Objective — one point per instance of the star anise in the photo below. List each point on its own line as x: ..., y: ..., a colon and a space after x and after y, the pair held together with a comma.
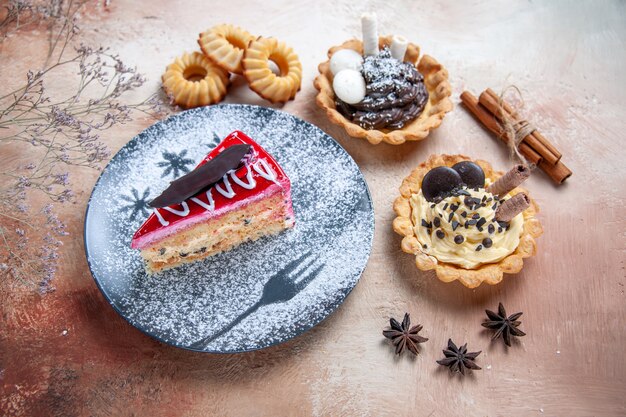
x: 503, y: 325
x: 458, y: 359
x: 403, y: 335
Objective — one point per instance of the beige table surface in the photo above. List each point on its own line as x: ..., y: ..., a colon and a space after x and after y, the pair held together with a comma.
x: 569, y: 60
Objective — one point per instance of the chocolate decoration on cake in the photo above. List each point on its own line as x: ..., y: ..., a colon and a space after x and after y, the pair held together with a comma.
x: 202, y: 177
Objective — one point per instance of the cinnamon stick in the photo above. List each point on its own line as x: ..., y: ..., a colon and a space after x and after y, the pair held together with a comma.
x: 557, y: 172
x: 489, y: 121
x: 501, y: 114
x: 538, y: 136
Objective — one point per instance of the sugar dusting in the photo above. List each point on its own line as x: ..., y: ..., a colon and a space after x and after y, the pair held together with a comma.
x: 334, y: 221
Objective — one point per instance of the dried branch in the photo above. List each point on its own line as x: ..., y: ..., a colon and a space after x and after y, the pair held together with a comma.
x: 63, y: 132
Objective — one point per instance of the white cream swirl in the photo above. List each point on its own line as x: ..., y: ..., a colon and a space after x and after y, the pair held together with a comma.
x: 462, y: 230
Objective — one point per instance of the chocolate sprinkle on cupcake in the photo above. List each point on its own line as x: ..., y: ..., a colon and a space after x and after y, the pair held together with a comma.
x: 458, y: 239
x: 487, y: 242
x: 491, y: 228
x: 479, y: 248
x: 437, y: 222
x: 455, y: 224
x: 440, y: 234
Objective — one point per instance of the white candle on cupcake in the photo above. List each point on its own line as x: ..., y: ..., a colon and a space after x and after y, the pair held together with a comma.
x: 398, y: 47
x: 369, y: 26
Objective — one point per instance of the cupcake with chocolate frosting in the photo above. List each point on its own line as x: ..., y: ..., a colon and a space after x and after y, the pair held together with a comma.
x: 381, y: 90
x: 395, y: 94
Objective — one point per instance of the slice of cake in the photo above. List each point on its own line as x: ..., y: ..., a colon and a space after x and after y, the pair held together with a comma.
x: 251, y: 199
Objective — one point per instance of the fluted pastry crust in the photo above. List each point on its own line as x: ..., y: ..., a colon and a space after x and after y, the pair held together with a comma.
x: 435, y: 79
x: 471, y: 278
x: 225, y: 44
x: 210, y: 88
x: 272, y: 87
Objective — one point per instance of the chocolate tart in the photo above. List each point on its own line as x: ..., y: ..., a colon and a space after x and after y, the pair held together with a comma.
x: 435, y: 80
x: 491, y: 273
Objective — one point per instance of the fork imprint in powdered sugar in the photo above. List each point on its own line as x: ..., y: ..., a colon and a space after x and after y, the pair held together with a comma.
x: 281, y: 287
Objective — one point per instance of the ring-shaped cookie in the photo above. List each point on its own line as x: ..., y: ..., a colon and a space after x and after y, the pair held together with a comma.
x: 225, y: 45
x: 256, y: 69
x: 192, y: 80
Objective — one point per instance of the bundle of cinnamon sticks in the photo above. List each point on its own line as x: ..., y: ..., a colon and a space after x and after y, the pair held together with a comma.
x: 495, y: 114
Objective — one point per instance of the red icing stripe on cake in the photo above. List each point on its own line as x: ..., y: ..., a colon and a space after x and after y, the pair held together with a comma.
x: 259, y: 178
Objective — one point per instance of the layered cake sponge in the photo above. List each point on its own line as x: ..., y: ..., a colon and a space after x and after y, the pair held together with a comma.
x: 248, y: 202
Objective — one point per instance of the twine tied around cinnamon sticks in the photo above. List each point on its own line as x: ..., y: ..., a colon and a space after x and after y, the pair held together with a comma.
x: 525, y: 141
x: 518, y: 130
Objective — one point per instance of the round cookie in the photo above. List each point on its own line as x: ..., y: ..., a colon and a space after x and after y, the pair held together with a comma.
x: 192, y: 80
x: 256, y: 69
x: 225, y: 45
x: 439, y: 181
x: 472, y: 175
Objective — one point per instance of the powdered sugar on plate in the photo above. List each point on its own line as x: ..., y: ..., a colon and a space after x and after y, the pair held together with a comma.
x: 334, y: 221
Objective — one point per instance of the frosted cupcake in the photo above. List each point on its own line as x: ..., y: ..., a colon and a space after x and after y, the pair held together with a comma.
x: 466, y: 221
x: 380, y: 89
